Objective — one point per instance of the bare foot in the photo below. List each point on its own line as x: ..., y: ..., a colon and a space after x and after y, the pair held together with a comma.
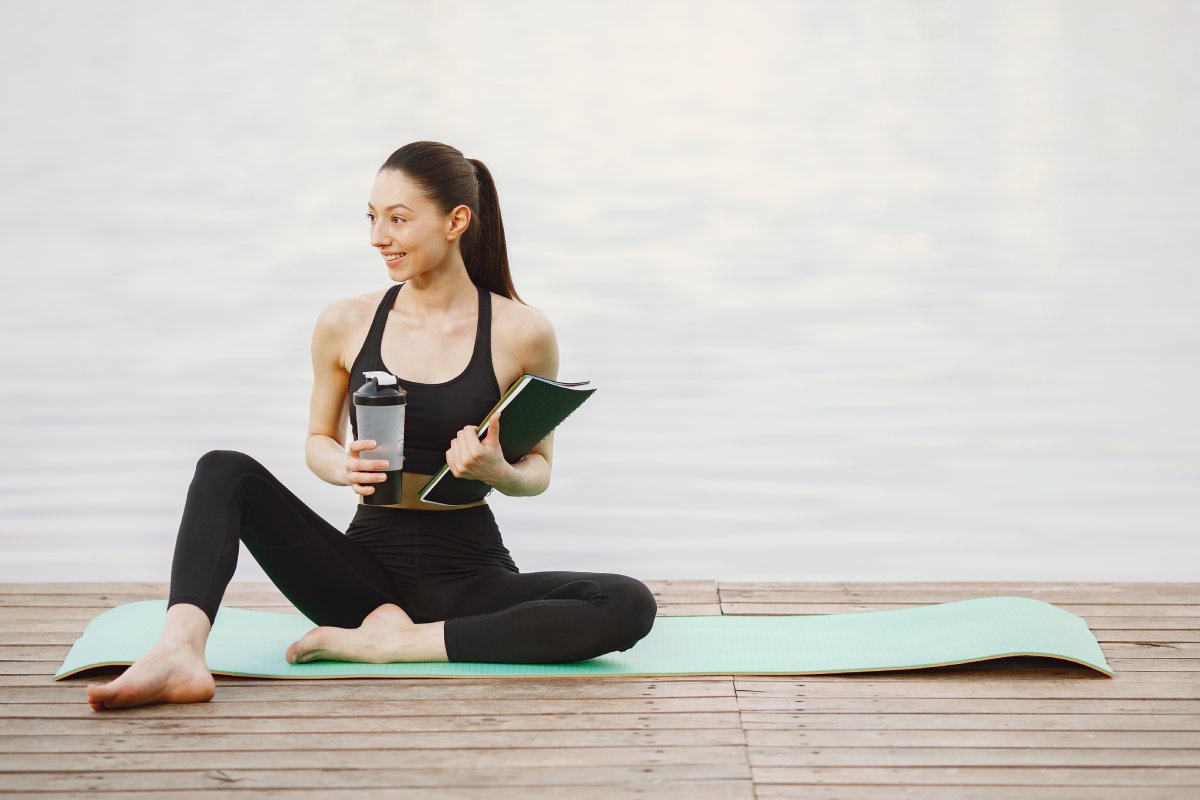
x: 166, y: 674
x: 377, y: 641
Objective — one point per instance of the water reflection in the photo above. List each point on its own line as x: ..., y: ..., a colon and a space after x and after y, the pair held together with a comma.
x: 868, y: 291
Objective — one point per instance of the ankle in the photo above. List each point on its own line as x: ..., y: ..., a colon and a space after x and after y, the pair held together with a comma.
x: 187, y: 626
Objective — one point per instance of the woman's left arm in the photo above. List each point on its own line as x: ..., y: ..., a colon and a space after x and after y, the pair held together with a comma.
x: 482, y: 459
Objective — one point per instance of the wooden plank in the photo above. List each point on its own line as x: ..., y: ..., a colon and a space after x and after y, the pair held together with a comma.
x: 1074, y: 777
x: 379, y: 690
x: 947, y: 591
x: 1120, y: 664
x: 764, y: 720
x: 959, y: 757
x: 815, y: 704
x: 96, y: 739
x: 408, y: 776
x: 211, y: 718
x: 1089, y: 611
x: 781, y: 791
x: 103, y: 742
x: 452, y: 706
x: 1129, y: 740
x: 731, y: 759
x: 750, y: 688
x: 365, y: 708
x: 690, y: 790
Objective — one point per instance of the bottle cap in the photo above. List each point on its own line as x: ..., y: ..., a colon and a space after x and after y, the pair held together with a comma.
x: 381, y: 389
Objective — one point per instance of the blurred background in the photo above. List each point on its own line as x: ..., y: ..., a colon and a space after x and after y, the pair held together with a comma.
x: 868, y: 290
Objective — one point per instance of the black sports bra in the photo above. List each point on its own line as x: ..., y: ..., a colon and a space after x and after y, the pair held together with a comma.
x: 436, y: 412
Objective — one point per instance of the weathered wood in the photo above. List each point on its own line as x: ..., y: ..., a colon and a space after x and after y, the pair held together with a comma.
x: 100, y: 740
x: 211, y: 719
x: 898, y: 791
x: 1092, y: 612
x: 464, y: 690
x: 1022, y: 726
x: 383, y: 774
x: 691, y: 790
x: 1128, y: 740
x: 959, y: 757
x: 966, y: 720
x: 1081, y: 779
x: 995, y: 688
x: 924, y: 592
x: 498, y: 756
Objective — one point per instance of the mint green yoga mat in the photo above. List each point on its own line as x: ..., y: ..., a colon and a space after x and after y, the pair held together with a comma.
x: 253, y: 643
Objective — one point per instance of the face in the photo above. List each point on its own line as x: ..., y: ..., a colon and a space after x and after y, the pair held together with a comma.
x: 410, y: 233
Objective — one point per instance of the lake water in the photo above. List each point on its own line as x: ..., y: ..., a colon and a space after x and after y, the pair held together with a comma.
x: 869, y: 291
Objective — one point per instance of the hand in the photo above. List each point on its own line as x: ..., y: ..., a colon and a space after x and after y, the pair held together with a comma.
x: 482, y: 460
x: 360, y: 473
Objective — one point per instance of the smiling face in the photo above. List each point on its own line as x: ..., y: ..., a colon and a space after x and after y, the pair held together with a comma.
x: 411, y: 234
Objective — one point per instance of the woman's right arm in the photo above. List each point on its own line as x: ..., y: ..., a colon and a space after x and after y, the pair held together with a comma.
x: 324, y: 450
x: 329, y: 410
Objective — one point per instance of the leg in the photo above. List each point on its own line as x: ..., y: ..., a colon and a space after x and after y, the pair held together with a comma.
x: 233, y: 498
x: 547, y: 617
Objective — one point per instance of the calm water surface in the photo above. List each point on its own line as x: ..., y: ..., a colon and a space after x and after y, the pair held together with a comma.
x: 869, y: 291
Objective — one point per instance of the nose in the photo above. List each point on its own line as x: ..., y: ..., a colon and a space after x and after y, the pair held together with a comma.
x: 377, y: 237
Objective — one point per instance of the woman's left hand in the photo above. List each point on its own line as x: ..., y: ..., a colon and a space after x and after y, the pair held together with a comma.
x: 480, y: 459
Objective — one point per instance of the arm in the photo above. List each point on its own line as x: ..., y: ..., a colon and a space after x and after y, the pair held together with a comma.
x: 538, y: 355
x: 329, y: 410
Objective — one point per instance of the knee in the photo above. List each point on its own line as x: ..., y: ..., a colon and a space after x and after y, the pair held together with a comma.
x: 222, y: 469
x: 224, y: 461
x: 638, y: 608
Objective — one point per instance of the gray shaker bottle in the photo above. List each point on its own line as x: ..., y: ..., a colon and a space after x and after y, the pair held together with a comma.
x: 379, y: 406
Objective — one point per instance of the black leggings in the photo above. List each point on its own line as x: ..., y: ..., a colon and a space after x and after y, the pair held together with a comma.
x: 436, y: 565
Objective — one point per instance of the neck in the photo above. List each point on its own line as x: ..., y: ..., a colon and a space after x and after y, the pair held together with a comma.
x: 440, y: 291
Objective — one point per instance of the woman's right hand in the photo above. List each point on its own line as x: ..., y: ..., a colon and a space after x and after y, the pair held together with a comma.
x: 361, y: 473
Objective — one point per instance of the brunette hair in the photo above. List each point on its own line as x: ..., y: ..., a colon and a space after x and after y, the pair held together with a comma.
x: 448, y: 179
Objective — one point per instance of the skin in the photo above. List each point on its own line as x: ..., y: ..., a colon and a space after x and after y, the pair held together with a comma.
x: 428, y: 339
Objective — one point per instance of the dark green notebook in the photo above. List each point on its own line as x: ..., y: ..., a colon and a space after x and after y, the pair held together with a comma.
x: 533, y: 407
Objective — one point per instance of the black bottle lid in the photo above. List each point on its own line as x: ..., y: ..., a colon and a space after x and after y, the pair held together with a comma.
x: 381, y: 389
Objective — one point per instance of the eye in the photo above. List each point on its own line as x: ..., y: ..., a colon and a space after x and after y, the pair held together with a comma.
x: 370, y: 215
x: 402, y: 219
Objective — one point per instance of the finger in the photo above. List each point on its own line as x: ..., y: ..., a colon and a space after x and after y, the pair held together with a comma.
x: 364, y: 464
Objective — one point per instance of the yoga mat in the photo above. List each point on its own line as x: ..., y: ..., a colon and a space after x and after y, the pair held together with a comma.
x: 253, y: 643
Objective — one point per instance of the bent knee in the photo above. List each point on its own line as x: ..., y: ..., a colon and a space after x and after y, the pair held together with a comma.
x: 638, y: 609
x: 225, y: 461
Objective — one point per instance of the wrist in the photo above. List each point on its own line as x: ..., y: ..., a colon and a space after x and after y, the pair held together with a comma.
x: 509, y: 481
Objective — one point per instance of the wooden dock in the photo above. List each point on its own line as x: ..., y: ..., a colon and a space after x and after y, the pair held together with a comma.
x: 1012, y: 728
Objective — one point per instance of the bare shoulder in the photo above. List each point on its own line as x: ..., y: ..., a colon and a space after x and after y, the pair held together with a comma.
x: 521, y: 324
x: 528, y: 333
x: 345, y: 313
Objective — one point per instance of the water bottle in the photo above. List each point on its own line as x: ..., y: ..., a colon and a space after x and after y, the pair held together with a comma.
x: 379, y: 406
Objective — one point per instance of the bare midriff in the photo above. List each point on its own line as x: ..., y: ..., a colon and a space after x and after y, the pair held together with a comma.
x: 411, y: 484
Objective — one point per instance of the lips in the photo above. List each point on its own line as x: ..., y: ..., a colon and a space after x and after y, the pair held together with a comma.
x: 393, y: 258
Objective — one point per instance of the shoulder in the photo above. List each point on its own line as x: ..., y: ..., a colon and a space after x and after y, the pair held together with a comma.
x: 345, y: 313
x: 522, y: 324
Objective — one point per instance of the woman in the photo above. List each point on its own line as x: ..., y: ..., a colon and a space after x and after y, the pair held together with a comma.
x: 410, y: 581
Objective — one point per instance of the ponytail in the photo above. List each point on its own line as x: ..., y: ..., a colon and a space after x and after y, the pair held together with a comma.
x: 449, y: 179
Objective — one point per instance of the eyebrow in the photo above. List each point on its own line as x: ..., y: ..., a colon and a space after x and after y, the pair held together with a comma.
x: 389, y: 208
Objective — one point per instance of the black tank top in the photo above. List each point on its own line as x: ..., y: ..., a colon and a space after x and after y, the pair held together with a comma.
x: 435, y: 412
